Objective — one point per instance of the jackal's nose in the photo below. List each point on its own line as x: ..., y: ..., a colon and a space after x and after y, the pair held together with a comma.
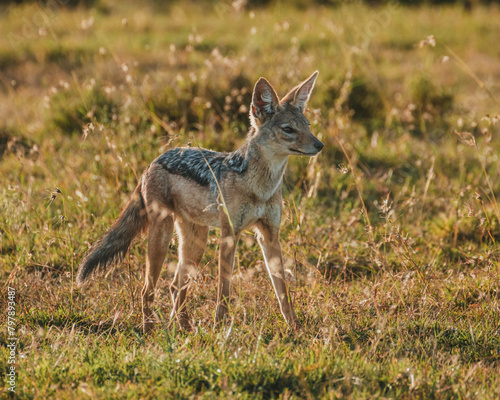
x: 318, y: 146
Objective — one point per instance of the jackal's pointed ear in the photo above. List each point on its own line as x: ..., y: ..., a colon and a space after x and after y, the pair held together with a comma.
x: 264, y: 101
x: 299, y: 95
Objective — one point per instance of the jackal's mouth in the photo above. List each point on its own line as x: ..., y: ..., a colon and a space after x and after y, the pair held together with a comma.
x: 302, y: 153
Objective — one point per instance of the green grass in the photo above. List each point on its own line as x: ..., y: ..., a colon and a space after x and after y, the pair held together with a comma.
x: 391, y: 232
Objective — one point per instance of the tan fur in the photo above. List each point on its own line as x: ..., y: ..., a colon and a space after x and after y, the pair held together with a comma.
x: 253, y: 199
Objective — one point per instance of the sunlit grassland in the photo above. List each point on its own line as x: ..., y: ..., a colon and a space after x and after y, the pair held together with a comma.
x: 390, y: 234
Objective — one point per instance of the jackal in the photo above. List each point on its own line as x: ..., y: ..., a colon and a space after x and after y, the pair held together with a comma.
x: 193, y: 189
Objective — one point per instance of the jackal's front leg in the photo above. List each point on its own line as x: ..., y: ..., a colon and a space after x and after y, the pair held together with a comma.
x: 269, y: 242
x: 227, y: 250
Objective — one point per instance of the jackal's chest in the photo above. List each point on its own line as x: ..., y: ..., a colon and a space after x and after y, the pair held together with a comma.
x: 247, y: 214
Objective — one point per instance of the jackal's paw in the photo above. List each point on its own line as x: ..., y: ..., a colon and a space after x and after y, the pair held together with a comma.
x: 147, y: 326
x: 295, y: 326
x: 220, y: 314
x: 185, y: 325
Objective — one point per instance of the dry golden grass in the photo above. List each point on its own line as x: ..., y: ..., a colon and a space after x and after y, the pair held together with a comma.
x: 390, y: 234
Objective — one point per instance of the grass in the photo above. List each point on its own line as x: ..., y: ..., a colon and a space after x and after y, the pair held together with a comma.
x: 391, y: 233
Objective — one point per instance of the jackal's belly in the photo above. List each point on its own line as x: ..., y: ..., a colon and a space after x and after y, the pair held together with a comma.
x: 207, y: 216
x: 193, y: 202
x: 207, y: 211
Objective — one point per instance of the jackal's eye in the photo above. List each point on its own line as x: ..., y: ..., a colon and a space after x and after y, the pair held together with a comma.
x: 288, y: 129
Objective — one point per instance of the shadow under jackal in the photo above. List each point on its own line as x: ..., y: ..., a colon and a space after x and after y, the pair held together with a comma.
x: 193, y: 189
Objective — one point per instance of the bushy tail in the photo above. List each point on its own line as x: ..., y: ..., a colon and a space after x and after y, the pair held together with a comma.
x: 113, y: 246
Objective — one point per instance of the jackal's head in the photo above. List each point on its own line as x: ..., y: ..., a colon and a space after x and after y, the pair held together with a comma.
x: 281, y: 126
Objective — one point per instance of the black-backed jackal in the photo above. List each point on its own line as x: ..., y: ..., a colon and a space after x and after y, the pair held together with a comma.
x: 192, y: 189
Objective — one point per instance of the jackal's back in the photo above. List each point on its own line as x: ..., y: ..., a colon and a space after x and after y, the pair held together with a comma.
x: 201, y: 165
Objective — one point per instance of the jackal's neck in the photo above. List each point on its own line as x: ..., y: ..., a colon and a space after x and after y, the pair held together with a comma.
x: 265, y: 168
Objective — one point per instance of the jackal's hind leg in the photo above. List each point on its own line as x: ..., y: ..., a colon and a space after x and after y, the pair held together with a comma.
x: 160, y: 234
x: 193, y: 240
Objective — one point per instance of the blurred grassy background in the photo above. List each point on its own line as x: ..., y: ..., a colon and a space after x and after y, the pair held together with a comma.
x: 390, y: 233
